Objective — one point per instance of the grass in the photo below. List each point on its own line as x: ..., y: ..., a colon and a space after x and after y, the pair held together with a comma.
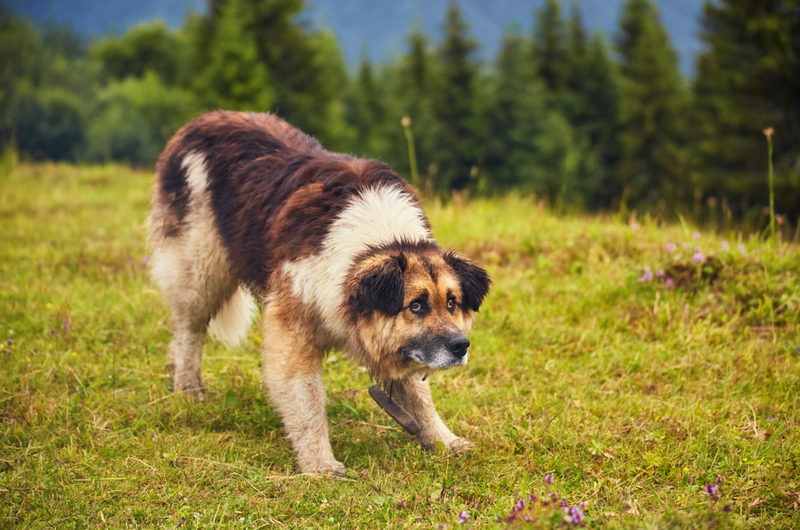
x: 633, y: 395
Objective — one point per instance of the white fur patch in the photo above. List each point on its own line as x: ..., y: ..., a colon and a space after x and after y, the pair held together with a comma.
x: 232, y: 322
x: 376, y: 216
x: 196, y: 174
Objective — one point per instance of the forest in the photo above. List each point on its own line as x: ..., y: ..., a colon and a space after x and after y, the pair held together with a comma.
x: 580, y: 120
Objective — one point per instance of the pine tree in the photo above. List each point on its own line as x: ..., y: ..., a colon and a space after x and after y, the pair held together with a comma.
x: 366, y: 110
x: 550, y: 46
x: 654, y: 160
x: 600, y: 89
x: 412, y: 90
x: 235, y: 78
x: 458, y: 146
x: 576, y: 49
x: 748, y: 80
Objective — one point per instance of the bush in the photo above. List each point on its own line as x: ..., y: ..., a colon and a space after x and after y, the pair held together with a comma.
x: 48, y: 123
x: 135, y: 118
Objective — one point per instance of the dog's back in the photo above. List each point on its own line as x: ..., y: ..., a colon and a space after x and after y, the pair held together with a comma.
x: 271, y: 190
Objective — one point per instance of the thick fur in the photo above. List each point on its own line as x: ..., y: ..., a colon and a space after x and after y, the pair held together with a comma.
x: 335, y: 249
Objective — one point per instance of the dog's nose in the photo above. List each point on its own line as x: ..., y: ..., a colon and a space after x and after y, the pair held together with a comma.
x: 458, y: 346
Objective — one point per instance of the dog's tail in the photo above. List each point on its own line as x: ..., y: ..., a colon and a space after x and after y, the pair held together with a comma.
x: 232, y: 322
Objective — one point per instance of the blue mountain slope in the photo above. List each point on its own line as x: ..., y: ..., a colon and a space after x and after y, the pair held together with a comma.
x: 376, y: 27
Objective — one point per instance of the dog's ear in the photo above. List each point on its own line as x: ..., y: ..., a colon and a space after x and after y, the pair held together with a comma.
x: 380, y: 286
x: 474, y: 280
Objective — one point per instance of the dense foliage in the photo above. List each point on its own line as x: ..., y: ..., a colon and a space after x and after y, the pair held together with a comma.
x: 558, y: 112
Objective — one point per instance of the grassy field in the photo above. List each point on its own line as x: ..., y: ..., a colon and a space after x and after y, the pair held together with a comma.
x: 633, y: 392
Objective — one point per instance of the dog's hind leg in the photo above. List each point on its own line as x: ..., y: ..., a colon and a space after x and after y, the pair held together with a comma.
x: 190, y: 265
x: 293, y: 379
x: 414, y: 395
x: 196, y: 287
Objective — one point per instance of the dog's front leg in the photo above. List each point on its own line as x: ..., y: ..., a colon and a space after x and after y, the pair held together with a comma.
x: 414, y: 395
x: 293, y: 378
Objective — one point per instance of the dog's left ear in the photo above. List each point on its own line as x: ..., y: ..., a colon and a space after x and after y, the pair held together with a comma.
x: 474, y: 280
x: 380, y: 287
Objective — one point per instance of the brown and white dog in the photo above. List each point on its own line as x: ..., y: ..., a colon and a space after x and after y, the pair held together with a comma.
x: 337, y: 251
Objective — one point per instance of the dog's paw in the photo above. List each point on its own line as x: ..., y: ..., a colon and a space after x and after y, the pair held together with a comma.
x: 453, y: 445
x: 334, y: 468
x: 460, y: 445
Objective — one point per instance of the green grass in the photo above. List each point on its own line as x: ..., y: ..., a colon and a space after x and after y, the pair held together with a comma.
x: 631, y: 394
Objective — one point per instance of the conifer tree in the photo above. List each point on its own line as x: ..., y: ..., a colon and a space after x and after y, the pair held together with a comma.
x: 550, y: 46
x: 748, y: 79
x: 366, y: 111
x: 458, y: 123
x: 576, y: 55
x: 654, y: 160
x: 414, y: 83
x: 235, y: 78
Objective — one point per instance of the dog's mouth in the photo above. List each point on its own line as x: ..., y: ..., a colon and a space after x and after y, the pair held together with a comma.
x: 438, y: 358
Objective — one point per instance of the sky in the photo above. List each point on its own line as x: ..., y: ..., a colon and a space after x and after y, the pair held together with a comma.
x: 376, y: 28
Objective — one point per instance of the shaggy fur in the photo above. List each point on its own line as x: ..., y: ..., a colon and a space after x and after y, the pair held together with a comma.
x: 335, y: 249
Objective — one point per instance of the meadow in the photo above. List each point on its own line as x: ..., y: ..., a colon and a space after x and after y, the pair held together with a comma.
x: 648, y: 370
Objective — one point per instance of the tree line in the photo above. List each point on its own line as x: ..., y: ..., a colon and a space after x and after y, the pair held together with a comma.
x: 566, y: 114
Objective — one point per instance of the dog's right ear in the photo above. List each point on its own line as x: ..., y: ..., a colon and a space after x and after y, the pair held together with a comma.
x: 379, y: 286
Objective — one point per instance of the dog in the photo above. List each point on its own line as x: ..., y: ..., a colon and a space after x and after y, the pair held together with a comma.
x: 336, y: 250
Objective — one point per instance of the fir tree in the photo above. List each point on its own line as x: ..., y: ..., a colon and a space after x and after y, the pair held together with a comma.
x: 550, y: 46
x: 458, y: 145
x: 414, y: 83
x: 235, y: 78
x: 654, y: 160
x: 576, y: 50
x: 748, y: 80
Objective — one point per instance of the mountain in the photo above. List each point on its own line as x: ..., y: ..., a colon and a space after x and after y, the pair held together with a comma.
x: 378, y: 28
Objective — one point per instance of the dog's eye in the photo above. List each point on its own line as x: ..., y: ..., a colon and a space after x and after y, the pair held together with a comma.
x: 451, y: 304
x: 416, y: 307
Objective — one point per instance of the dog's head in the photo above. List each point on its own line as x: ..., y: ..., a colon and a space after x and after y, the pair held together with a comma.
x: 412, y: 306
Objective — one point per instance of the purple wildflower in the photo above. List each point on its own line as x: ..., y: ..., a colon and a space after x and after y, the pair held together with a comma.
x: 65, y: 325
x: 725, y: 246
x: 647, y: 274
x: 696, y: 235
x: 719, y: 479
x: 711, y: 489
x: 582, y: 504
x: 145, y: 261
x: 9, y: 352
x: 671, y: 247
x: 686, y: 245
x: 528, y: 519
x: 660, y: 273
x: 575, y: 515
x: 548, y: 478
x: 698, y: 249
x: 564, y: 504
x: 12, y: 421
x: 9, y: 342
x: 726, y: 508
x: 51, y: 331
x: 533, y: 497
x: 698, y: 258
x: 29, y: 365
x: 670, y: 282
x: 462, y: 517
x: 756, y: 251
x: 554, y: 497
x: 520, y: 504
x: 742, y: 251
